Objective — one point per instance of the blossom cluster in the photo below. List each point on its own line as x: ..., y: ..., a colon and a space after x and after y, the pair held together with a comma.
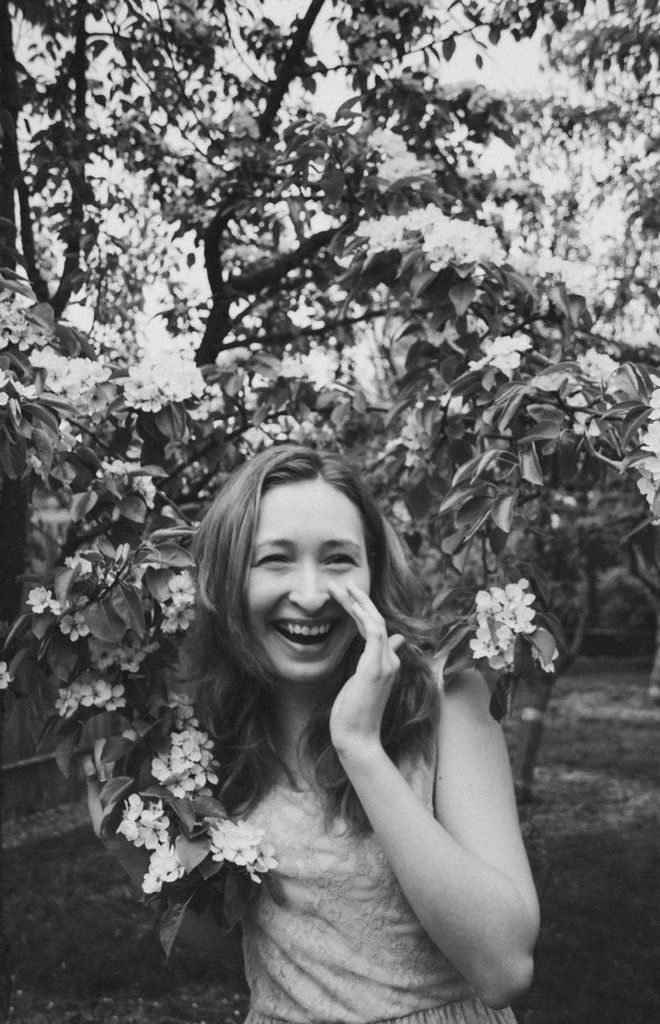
x: 504, y: 613
x: 147, y: 825
x: 232, y: 842
x: 160, y: 377
x: 127, y: 656
x: 20, y: 327
x: 648, y: 467
x: 96, y: 693
x: 444, y: 239
x: 71, y: 375
x: 397, y: 161
x: 598, y: 366
x: 503, y: 353
x: 241, y: 843
x: 188, y: 766
x: 179, y: 608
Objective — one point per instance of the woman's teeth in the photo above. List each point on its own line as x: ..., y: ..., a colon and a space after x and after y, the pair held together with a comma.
x: 303, y: 634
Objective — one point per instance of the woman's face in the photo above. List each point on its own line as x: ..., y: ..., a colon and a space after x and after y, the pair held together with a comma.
x: 308, y: 535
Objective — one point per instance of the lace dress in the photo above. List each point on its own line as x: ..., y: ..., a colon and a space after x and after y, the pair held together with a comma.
x: 331, y: 939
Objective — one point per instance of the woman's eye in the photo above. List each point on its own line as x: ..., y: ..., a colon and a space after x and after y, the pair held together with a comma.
x: 341, y: 560
x: 268, y: 559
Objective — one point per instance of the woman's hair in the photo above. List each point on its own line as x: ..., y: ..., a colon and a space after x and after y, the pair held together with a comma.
x: 236, y: 684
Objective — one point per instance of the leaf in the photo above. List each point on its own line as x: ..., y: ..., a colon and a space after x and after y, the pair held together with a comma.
x: 62, y: 582
x: 128, y: 606
x: 545, y: 430
x: 209, y: 807
x: 175, y: 556
x: 170, y: 923
x: 13, y: 454
x: 544, y: 644
x: 114, y: 790
x: 104, y: 623
x: 503, y: 510
x: 209, y: 868
x: 134, y: 508
x: 171, y: 420
x: 421, y: 281
x: 114, y: 748
x: 502, y: 697
x: 448, y: 47
x: 238, y: 890
x: 462, y: 294
x: 530, y: 467
x: 191, y: 852
x: 64, y: 751
x: 183, y: 808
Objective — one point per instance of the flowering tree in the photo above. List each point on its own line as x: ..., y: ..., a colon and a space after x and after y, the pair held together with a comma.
x: 362, y: 293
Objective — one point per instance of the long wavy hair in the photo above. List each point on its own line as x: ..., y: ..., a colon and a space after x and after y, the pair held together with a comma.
x: 235, y: 683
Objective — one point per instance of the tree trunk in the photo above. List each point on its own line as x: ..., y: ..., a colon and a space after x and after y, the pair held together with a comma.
x: 13, y: 493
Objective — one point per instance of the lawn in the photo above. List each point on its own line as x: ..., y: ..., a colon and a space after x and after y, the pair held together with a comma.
x: 85, y: 949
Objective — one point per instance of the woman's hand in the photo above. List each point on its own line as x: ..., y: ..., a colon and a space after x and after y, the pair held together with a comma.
x: 357, y: 712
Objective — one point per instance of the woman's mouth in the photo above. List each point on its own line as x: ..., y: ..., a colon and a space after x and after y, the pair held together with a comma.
x: 305, y: 634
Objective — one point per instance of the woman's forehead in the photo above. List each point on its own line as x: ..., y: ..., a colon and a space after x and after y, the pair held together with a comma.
x: 309, y: 508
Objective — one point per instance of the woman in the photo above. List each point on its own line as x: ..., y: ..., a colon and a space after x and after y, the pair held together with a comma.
x: 402, y: 890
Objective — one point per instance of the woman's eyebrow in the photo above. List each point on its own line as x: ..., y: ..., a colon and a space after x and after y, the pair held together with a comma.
x: 344, y: 544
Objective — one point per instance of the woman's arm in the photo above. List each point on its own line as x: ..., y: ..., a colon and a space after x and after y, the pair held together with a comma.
x: 464, y: 872
x: 200, y: 932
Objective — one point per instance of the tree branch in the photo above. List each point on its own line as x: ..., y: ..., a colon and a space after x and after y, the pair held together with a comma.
x: 255, y: 280
x: 27, y: 240
x: 289, y: 68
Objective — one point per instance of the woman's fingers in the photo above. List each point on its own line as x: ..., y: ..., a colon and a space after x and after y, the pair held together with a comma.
x: 379, y: 656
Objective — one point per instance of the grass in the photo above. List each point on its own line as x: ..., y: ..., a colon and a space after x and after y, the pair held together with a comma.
x: 85, y: 949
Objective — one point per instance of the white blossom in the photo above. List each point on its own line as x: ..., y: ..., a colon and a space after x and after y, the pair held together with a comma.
x: 449, y: 240
x: 503, y: 613
x: 398, y: 162
x: 241, y: 843
x: 21, y: 328
x: 5, y: 675
x: 162, y: 376
x: 179, y: 609
x: 128, y: 656
x: 144, y: 824
x: 598, y: 366
x: 78, y: 561
x: 74, y: 625
x: 184, y: 710
x: 444, y: 239
x: 503, y: 353
x: 164, y: 866
x: 40, y: 599
x: 188, y: 767
x: 98, y: 693
x: 73, y: 377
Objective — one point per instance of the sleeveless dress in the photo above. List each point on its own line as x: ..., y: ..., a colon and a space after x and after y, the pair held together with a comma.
x: 331, y: 938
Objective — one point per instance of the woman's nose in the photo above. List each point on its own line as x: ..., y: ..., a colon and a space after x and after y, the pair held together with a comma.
x: 310, y: 590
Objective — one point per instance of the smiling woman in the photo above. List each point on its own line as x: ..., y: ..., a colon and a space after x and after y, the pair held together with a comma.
x: 399, y: 887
